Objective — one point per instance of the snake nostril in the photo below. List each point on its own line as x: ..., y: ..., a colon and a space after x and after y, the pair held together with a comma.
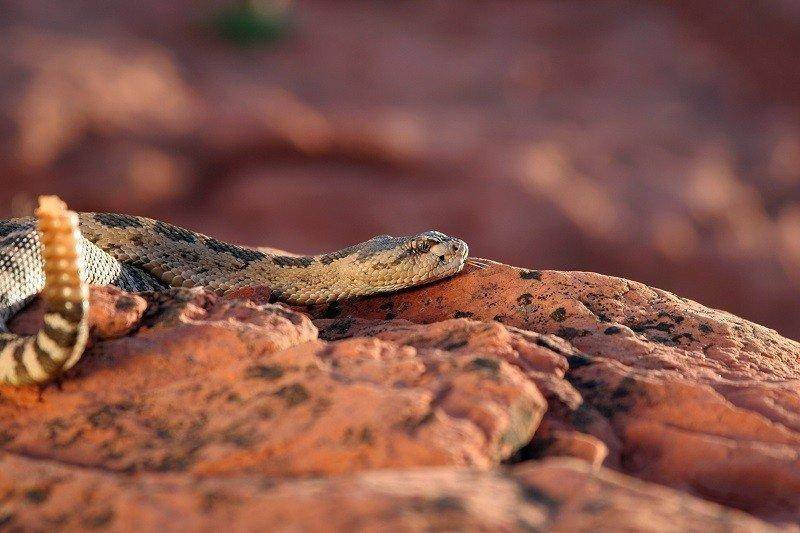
x: 441, y: 259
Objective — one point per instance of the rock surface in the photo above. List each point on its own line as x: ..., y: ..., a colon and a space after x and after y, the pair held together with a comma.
x: 217, y: 386
x: 551, y: 495
x: 214, y: 410
x: 680, y: 394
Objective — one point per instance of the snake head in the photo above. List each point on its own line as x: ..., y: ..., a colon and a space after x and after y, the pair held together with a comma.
x: 436, y: 255
x: 391, y: 263
x: 381, y: 264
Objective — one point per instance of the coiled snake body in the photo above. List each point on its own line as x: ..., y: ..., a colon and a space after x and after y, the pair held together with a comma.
x: 58, y: 253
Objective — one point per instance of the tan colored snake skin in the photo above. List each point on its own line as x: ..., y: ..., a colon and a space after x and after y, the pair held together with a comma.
x: 139, y: 254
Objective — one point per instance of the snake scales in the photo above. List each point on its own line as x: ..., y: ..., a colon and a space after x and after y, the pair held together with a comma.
x: 58, y: 253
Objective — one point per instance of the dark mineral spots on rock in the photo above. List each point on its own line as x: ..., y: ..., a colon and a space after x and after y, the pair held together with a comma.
x: 568, y: 333
x: 268, y: 372
x: 293, y: 394
x: 483, y: 363
x: 228, y: 389
x: 525, y: 299
x: 125, y: 304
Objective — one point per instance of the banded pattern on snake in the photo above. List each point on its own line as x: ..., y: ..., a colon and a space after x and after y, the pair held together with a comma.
x: 58, y: 253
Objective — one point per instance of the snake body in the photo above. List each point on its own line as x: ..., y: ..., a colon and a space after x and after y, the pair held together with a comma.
x: 59, y: 253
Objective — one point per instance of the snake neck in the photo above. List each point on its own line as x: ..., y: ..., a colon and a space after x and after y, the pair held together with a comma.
x: 307, y: 279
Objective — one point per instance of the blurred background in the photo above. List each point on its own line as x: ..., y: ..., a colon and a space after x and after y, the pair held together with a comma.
x: 659, y: 141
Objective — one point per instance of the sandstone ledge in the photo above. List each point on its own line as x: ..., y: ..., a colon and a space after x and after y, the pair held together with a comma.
x: 188, y: 394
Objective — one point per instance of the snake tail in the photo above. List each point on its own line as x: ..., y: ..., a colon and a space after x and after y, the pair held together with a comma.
x: 62, y: 338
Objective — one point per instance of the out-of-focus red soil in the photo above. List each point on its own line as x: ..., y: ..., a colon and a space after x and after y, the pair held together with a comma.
x: 657, y: 142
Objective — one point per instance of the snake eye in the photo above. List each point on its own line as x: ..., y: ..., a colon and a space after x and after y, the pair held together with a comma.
x: 421, y: 246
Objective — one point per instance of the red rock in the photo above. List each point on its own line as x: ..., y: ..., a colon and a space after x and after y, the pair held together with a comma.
x: 193, y: 384
x: 670, y: 391
x: 573, y: 444
x: 526, y: 350
x: 543, y: 358
x: 112, y: 313
x: 214, y: 386
x: 680, y: 394
x: 550, y: 495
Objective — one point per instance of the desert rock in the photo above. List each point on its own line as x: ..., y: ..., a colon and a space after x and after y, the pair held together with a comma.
x: 213, y: 385
x: 679, y: 393
x: 552, y: 495
x: 499, y: 379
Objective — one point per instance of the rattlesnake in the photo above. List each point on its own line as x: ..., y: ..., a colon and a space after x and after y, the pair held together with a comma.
x: 59, y: 252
